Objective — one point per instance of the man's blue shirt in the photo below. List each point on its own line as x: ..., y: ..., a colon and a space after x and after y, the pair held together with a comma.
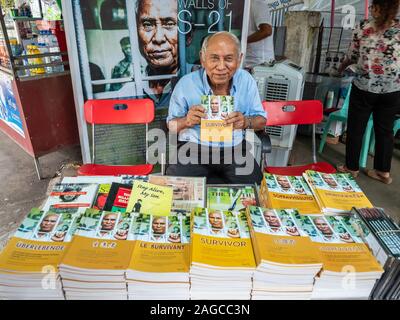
x: 191, y: 87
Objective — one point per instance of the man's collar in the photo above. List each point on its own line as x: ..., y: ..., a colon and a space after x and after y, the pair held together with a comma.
x: 207, y: 86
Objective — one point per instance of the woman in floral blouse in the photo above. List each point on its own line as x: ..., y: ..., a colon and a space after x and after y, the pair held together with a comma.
x: 375, y: 52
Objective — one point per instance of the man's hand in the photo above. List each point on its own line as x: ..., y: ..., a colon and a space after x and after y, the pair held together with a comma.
x: 237, y: 119
x: 194, y: 116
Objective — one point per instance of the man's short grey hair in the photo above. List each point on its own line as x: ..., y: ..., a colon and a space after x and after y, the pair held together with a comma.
x: 226, y: 33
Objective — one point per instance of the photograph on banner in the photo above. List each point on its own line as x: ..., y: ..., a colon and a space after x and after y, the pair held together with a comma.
x: 119, y: 68
x: 199, y: 19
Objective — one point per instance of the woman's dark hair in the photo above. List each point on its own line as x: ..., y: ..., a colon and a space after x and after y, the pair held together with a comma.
x: 388, y: 11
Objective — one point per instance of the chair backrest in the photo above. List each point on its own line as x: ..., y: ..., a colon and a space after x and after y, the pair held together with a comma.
x: 281, y: 113
x: 132, y: 111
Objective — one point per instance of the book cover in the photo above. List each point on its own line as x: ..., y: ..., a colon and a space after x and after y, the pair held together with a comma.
x: 277, y: 238
x: 162, y: 243
x: 118, y: 197
x: 100, y: 241
x: 150, y: 198
x: 41, y: 240
x: 213, y: 128
x: 220, y: 238
x: 336, y: 192
x: 338, y: 247
x: 71, y: 195
x: 231, y: 198
x: 188, y: 192
x: 101, y: 196
x: 281, y: 192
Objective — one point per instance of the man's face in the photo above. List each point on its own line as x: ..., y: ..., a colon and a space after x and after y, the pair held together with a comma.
x: 126, y: 49
x: 221, y: 60
x: 323, y: 226
x: 158, y: 33
x: 108, y: 222
x: 159, y: 225
x: 215, y: 219
x: 330, y: 181
x: 214, y: 106
x: 271, y: 219
x: 283, y: 182
x: 48, y: 223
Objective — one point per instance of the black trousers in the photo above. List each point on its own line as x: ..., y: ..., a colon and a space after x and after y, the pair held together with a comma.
x: 384, y: 108
x: 218, y: 171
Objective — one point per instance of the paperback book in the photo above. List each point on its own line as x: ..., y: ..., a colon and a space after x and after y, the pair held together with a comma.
x: 281, y: 192
x: 213, y: 127
x: 338, y: 192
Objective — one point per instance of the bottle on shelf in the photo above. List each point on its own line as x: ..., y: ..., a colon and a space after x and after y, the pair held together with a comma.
x: 54, y: 47
x: 43, y: 48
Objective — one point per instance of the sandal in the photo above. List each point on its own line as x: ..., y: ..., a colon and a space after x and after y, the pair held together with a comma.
x: 343, y: 169
x: 375, y: 175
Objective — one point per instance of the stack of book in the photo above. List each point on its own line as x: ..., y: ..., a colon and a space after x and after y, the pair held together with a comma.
x: 337, y: 192
x: 382, y: 235
x: 159, y: 266
x: 29, y: 262
x: 282, y: 192
x: 286, y: 258
x: 222, y: 260
x: 94, y: 265
x: 349, y: 269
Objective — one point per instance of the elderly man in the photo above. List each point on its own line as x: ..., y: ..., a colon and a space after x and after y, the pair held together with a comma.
x: 220, y: 75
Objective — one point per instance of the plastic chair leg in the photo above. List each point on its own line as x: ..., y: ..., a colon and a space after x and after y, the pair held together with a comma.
x: 324, y: 135
x: 365, y: 145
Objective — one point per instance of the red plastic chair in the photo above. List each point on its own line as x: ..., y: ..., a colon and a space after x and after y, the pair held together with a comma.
x: 281, y: 113
x: 134, y: 111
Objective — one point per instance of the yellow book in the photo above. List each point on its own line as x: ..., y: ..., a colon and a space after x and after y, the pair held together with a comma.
x: 101, y: 241
x: 339, y: 244
x: 221, y: 239
x: 337, y: 192
x: 150, y: 198
x: 40, y: 241
x: 162, y: 245
x: 282, y: 192
x: 277, y: 238
x: 213, y: 128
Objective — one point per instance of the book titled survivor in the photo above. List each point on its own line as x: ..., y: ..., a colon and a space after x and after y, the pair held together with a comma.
x: 213, y: 128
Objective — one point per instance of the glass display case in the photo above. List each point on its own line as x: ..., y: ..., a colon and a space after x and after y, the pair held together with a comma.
x: 36, y: 97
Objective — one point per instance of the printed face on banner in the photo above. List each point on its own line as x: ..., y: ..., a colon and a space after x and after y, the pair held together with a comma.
x: 157, y: 24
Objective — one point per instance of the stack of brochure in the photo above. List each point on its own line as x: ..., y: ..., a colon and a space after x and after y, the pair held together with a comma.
x: 282, y: 192
x: 287, y: 260
x: 222, y: 259
x: 337, y: 192
x: 382, y: 235
x: 95, y: 264
x: 349, y: 269
x: 159, y: 267
x: 29, y: 262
